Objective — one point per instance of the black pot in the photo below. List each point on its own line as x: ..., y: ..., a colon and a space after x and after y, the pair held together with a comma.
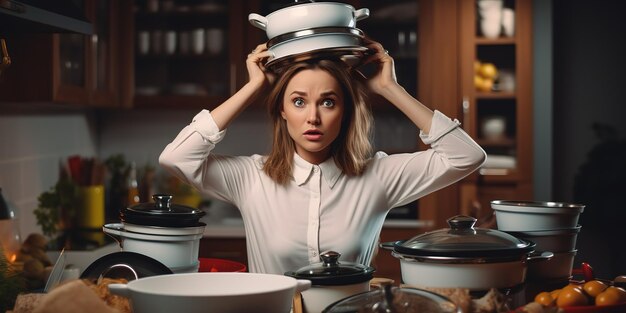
x: 161, y: 213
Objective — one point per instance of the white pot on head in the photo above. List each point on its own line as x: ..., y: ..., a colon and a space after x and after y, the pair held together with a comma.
x: 332, y: 281
x: 306, y: 15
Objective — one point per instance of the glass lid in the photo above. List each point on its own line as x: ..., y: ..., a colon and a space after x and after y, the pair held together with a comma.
x: 390, y: 299
x: 332, y: 272
x: 462, y: 239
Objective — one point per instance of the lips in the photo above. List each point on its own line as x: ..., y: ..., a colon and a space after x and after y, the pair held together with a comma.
x: 313, y: 134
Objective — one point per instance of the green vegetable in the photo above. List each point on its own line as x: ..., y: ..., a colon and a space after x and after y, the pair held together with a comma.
x: 57, y: 207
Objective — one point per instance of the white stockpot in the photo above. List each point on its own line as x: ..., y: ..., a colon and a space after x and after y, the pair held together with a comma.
x: 178, y: 252
x: 464, y: 256
x: 332, y: 281
x: 306, y: 15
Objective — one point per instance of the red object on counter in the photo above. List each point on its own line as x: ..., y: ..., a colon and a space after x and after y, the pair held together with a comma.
x: 220, y: 265
x: 616, y: 308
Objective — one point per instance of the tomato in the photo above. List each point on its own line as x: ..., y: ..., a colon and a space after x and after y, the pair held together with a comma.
x: 571, y: 297
x: 594, y: 287
x: 545, y: 299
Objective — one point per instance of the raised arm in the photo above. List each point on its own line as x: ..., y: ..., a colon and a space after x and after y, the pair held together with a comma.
x: 226, y: 112
x: 384, y: 83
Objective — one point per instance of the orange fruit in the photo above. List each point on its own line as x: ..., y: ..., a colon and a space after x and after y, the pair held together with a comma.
x: 488, y: 70
x: 594, y: 287
x: 619, y: 292
x: 545, y: 299
x: 571, y: 297
x: 607, y: 297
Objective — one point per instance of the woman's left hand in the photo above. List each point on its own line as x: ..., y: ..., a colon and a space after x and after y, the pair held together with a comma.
x: 385, y: 77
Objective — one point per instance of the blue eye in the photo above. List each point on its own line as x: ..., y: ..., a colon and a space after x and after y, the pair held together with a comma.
x: 328, y: 103
x: 298, y: 102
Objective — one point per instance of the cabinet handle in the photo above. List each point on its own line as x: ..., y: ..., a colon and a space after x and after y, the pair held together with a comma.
x: 466, y: 114
x: 5, y: 59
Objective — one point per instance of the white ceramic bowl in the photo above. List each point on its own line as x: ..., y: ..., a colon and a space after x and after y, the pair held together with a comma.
x: 559, y: 267
x: 211, y: 292
x: 558, y: 240
x: 534, y: 215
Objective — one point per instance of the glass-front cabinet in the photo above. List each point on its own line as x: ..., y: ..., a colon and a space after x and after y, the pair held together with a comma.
x: 66, y: 68
x: 185, y: 54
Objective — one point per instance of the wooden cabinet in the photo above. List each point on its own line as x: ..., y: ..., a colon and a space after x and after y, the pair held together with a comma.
x: 66, y: 68
x: 498, y: 117
x: 184, y: 54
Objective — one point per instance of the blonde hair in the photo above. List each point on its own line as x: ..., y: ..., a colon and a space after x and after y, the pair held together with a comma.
x: 352, y: 147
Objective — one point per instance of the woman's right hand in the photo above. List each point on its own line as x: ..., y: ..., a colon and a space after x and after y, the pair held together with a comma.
x: 257, y: 72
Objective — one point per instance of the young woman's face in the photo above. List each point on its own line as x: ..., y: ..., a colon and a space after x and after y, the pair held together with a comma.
x: 313, y: 107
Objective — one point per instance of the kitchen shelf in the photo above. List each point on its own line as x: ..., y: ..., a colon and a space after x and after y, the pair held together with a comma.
x: 513, y: 55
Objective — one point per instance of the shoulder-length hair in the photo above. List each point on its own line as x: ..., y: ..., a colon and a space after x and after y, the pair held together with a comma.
x: 350, y: 150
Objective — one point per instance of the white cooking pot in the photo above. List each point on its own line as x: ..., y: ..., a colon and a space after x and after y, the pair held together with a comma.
x: 178, y: 252
x: 301, y: 16
x: 463, y: 256
x: 211, y: 292
x: 332, y: 281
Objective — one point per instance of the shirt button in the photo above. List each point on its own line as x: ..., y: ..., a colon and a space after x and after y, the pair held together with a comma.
x: 314, y: 253
x: 315, y: 170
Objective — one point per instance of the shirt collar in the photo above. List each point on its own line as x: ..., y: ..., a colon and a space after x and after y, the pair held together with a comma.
x: 302, y: 171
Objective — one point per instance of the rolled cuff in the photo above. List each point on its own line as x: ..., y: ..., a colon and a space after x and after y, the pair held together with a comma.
x: 205, y: 125
x: 440, y: 126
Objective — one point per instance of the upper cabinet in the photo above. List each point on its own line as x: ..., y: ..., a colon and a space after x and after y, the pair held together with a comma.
x: 66, y: 68
x: 183, y: 54
x: 496, y: 70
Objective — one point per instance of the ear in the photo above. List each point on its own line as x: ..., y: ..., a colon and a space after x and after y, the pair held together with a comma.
x: 282, y: 113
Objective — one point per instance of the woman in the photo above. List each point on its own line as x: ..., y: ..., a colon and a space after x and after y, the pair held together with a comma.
x: 320, y: 188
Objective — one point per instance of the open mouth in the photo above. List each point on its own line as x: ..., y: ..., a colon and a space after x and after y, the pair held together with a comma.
x: 313, y: 134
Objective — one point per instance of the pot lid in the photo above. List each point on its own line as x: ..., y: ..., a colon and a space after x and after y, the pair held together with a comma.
x: 162, y: 212
x: 332, y: 272
x: 463, y: 240
x: 390, y: 299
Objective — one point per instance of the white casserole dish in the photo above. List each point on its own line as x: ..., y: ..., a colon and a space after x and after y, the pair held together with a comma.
x: 535, y: 215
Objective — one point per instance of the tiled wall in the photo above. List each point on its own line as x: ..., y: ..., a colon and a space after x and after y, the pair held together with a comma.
x: 33, y: 145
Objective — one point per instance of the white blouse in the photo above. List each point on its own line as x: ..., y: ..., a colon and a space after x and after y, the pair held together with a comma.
x: 287, y: 226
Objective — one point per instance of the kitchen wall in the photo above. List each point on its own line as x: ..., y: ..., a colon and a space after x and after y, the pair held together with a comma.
x: 33, y: 145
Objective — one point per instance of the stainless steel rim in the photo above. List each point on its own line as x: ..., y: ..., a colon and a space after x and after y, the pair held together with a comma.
x: 314, y: 31
x: 339, y: 52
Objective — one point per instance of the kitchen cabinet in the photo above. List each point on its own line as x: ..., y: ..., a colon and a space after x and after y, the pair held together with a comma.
x: 183, y: 54
x: 66, y: 68
x: 498, y: 117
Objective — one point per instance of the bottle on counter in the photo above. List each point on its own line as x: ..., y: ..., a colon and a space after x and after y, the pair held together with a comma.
x: 132, y: 186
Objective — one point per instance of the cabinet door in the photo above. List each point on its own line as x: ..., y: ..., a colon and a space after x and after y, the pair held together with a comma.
x: 185, y: 54
x: 103, y: 53
x: 496, y: 65
x: 66, y: 68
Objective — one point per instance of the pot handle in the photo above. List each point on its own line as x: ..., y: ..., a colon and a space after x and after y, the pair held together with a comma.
x: 114, y: 231
x: 387, y: 245
x: 544, y: 256
x: 361, y: 14
x: 120, y: 290
x: 258, y: 21
x: 302, y: 285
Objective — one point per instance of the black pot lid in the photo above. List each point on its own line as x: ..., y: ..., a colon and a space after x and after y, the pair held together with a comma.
x: 162, y: 212
x: 394, y: 299
x: 332, y: 272
x: 463, y: 240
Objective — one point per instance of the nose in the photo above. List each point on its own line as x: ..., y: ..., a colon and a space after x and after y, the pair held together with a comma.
x: 313, y: 117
